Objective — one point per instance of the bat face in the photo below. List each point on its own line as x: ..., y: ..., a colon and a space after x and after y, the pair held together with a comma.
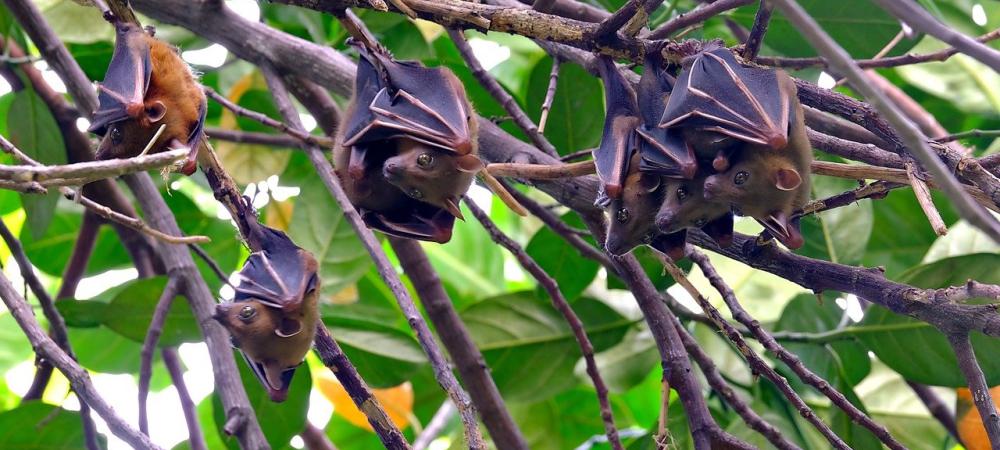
x: 684, y: 206
x: 273, y: 316
x: 716, y: 93
x: 148, y: 88
x: 631, y: 221
x: 431, y: 175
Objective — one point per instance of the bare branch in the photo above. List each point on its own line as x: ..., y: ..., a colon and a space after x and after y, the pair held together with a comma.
x: 149, y: 348
x: 173, y: 363
x: 977, y: 385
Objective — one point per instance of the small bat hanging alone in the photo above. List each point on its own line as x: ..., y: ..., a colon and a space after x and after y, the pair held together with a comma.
x: 769, y: 184
x: 273, y: 317
x: 407, y: 151
x: 717, y: 101
x: 148, y: 87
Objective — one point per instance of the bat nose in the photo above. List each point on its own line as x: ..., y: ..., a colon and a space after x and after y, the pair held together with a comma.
x: 614, y: 246
x: 391, y: 170
x: 663, y: 221
x: 220, y: 314
x: 711, y: 188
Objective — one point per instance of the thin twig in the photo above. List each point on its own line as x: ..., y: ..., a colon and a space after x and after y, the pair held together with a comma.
x: 500, y: 94
x: 968, y: 134
x: 923, y: 194
x: 541, y: 171
x: 435, y: 427
x: 760, y: 22
x: 253, y: 137
x: 937, y: 407
x: 173, y: 363
x: 82, y: 173
x: 696, y: 16
x: 259, y: 117
x: 207, y: 259
x: 315, y: 439
x: 559, y: 302
x: 442, y: 370
x: 550, y: 94
x: 149, y: 348
x: 77, y: 376
x: 977, y: 385
x: 784, y: 355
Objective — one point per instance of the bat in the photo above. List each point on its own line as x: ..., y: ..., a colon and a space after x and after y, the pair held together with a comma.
x: 766, y: 184
x: 273, y: 317
x: 619, y: 140
x: 148, y: 87
x: 632, y: 216
x: 408, y: 148
x: 664, y: 151
x: 684, y: 206
x: 715, y: 94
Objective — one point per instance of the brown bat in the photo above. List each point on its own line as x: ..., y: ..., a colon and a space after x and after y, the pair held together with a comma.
x: 716, y: 94
x: 412, y: 128
x: 632, y: 216
x: 769, y: 184
x: 148, y: 87
x: 273, y: 317
x: 684, y: 206
x: 664, y: 152
x: 619, y: 140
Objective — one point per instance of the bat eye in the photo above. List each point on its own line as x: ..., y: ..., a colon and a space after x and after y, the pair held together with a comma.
x: 700, y: 222
x: 622, y: 215
x: 116, y: 135
x: 741, y: 177
x: 682, y: 194
x: 416, y: 194
x: 425, y: 160
x: 247, y: 313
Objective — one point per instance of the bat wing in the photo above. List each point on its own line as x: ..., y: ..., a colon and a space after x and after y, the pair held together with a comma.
x: 663, y: 151
x: 279, y: 275
x: 718, y: 94
x: 124, y: 87
x: 435, y: 227
x: 655, y: 86
x: 397, y: 99
x: 720, y: 229
x: 620, y: 122
x: 671, y: 244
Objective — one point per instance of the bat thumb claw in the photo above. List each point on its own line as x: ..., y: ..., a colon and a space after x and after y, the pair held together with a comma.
x: 777, y: 141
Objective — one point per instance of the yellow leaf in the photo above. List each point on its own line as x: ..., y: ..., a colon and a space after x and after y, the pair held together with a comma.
x: 397, y: 401
x: 247, y: 163
x: 969, y: 422
x: 278, y: 214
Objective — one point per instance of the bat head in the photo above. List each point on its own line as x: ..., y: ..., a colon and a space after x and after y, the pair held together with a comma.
x: 273, y: 316
x: 432, y: 175
x: 764, y: 185
x: 684, y: 206
x: 631, y: 221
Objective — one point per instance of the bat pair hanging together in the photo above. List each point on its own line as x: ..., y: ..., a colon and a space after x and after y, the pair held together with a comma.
x: 149, y: 100
x: 273, y: 317
x: 722, y: 138
x: 407, y: 152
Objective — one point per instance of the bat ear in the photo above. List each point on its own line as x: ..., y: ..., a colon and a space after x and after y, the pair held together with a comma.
x: 470, y: 164
x: 649, y: 183
x: 451, y: 204
x: 288, y: 327
x: 155, y: 111
x: 787, y: 179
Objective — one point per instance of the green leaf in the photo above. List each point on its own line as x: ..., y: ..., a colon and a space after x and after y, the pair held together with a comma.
x: 840, y: 361
x: 384, y: 357
x: 935, y: 362
x: 33, y: 130
x: 82, y: 313
x: 627, y: 364
x: 962, y: 239
x: 102, y: 350
x: 528, y: 346
x: 576, y: 119
x: 14, y: 346
x: 50, y: 252
x: 72, y: 21
x: 563, y: 422
x: 901, y: 235
x: 279, y: 421
x: 966, y: 83
x: 859, y: 26
x: 561, y: 260
x: 840, y: 235
x: 131, y: 311
x: 193, y: 221
x: 36, y: 425
x: 469, y: 276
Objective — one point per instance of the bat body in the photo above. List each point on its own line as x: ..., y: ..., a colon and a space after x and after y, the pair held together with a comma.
x: 769, y: 184
x: 619, y: 140
x: 685, y: 206
x: 663, y: 151
x: 273, y: 317
x: 148, y: 87
x: 407, y: 151
x: 632, y: 216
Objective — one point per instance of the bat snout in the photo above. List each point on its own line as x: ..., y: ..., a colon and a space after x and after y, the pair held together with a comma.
x: 712, y: 188
x: 392, y: 171
x: 664, y: 221
x: 615, y: 246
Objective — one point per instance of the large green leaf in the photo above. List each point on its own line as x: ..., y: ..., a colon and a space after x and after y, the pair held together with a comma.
x: 839, y: 235
x: 918, y: 351
x: 576, y: 119
x: 50, y: 252
x: 279, y: 421
x: 385, y: 357
x: 471, y: 264
x: 528, y: 346
x: 33, y: 129
x: 962, y: 239
x: 627, y: 364
x: 131, y: 311
x: 71, y: 21
x: 860, y: 26
x: 14, y: 346
x: 318, y: 225
x: 561, y: 260
x: 845, y: 361
x: 102, y: 350
x: 224, y: 249
x: 565, y: 421
x: 966, y: 83
x: 36, y: 425
x: 901, y: 235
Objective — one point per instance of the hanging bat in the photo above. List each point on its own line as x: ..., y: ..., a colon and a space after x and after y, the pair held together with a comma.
x: 632, y: 216
x: 619, y: 140
x: 664, y: 152
x: 728, y: 102
x: 148, y: 87
x: 273, y: 317
x: 416, y: 124
x: 768, y: 185
x: 684, y: 206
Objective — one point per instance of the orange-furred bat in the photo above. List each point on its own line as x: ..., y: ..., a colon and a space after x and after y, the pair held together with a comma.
x: 631, y: 221
x: 684, y: 206
x: 769, y: 184
x: 148, y: 86
x: 728, y: 101
x: 412, y: 128
x: 273, y: 317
